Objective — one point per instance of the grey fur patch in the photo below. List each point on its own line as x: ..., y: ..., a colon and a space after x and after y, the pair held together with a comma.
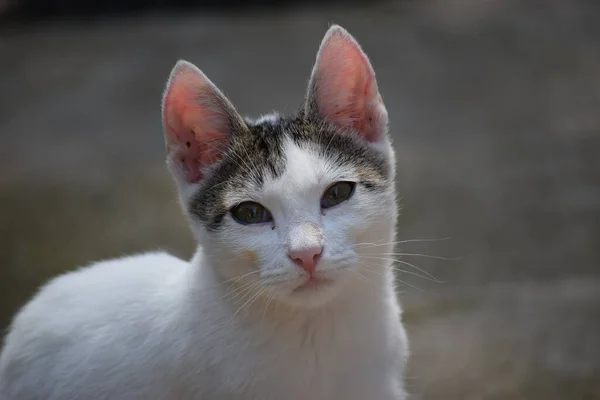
x: 258, y: 152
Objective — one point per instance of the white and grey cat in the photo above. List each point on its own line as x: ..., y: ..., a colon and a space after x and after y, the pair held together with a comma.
x: 288, y: 295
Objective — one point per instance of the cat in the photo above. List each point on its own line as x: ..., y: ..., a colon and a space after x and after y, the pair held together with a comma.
x: 288, y: 295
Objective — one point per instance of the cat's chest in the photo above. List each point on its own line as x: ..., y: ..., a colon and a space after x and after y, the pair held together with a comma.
x: 316, y: 362
x: 295, y: 376
x: 324, y: 377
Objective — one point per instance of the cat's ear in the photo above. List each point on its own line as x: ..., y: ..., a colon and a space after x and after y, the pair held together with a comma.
x: 198, y: 122
x: 343, y: 88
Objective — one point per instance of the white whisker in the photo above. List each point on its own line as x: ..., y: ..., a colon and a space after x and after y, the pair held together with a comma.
x: 375, y: 244
x: 272, y: 295
x: 405, y: 272
x: 412, y: 286
x: 422, y: 255
x: 240, y: 290
x: 431, y: 277
x: 251, y: 300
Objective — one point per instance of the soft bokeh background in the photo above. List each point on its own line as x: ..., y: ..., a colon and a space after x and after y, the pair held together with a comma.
x: 495, y: 114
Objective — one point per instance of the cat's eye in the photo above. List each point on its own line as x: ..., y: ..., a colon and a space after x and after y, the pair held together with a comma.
x: 337, y: 193
x: 250, y: 212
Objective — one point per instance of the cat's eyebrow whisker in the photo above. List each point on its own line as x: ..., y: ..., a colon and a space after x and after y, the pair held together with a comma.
x: 329, y: 143
x: 405, y: 263
x: 232, y: 156
x: 252, y: 168
x: 218, y: 184
x: 245, y: 167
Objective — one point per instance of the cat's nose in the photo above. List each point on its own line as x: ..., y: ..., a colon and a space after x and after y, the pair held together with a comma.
x: 306, y: 257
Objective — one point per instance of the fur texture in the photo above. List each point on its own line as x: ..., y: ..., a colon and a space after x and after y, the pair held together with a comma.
x: 241, y: 320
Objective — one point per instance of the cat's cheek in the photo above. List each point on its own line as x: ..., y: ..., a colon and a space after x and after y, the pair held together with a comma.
x: 251, y: 244
x: 340, y: 230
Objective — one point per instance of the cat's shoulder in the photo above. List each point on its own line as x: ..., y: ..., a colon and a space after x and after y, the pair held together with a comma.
x: 105, y: 285
x: 81, y: 316
x: 119, y: 271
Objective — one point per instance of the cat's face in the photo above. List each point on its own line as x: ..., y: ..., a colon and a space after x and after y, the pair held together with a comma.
x: 282, y: 205
x: 289, y: 204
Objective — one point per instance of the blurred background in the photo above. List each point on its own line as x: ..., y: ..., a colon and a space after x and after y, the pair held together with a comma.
x: 494, y: 109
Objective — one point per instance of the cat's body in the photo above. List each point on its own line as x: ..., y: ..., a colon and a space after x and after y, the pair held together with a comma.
x: 349, y: 350
x: 283, y: 299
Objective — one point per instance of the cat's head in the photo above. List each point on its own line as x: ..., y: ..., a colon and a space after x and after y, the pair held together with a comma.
x: 284, y: 204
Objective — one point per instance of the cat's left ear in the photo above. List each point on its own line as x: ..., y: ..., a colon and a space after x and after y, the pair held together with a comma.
x: 198, y: 121
x: 343, y: 89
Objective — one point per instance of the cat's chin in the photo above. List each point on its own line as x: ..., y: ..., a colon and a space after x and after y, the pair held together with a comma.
x: 313, y: 285
x: 312, y: 293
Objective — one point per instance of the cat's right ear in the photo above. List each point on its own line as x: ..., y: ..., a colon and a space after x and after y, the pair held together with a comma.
x: 198, y: 122
x: 343, y: 89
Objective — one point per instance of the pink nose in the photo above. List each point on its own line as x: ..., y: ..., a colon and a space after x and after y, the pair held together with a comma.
x: 306, y: 257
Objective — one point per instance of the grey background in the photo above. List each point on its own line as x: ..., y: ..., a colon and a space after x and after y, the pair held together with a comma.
x: 494, y: 114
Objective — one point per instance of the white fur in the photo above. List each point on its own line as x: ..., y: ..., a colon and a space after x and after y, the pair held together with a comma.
x: 229, y: 324
x: 271, y: 118
x: 153, y: 326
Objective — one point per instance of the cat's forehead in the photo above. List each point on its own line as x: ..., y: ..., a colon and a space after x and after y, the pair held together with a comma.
x: 306, y: 169
x: 301, y: 151
x: 273, y: 145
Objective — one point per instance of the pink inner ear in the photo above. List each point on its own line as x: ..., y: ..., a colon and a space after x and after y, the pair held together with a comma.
x: 345, y: 87
x: 196, y: 125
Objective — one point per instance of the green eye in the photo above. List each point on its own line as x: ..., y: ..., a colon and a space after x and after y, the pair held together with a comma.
x: 250, y: 212
x: 337, y: 193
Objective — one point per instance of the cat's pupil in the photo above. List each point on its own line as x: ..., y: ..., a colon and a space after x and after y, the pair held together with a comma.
x: 252, y: 211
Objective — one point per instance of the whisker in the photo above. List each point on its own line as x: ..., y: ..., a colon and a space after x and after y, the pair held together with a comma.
x: 375, y: 244
x: 423, y: 255
x: 238, y: 278
x: 242, y: 289
x: 246, y: 294
x: 434, y: 280
x: 272, y: 295
x: 367, y: 267
x: 239, y: 290
x: 405, y: 263
x: 363, y: 278
x: 412, y: 286
x: 250, y: 301
x: 406, y: 272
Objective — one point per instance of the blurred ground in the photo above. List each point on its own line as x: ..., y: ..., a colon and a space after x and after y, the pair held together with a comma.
x: 494, y: 110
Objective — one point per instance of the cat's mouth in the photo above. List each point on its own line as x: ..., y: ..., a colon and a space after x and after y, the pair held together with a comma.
x: 313, y: 284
